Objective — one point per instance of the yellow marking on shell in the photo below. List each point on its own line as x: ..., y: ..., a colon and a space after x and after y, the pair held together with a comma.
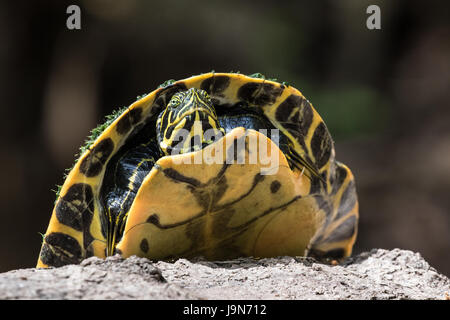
x: 99, y: 243
x: 41, y: 264
x: 338, y: 197
x: 317, y: 120
x: 56, y: 226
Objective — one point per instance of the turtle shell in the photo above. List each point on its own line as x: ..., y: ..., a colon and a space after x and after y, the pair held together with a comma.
x: 221, y: 210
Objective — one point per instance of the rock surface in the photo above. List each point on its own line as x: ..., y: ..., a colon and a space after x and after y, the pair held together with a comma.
x: 378, y: 274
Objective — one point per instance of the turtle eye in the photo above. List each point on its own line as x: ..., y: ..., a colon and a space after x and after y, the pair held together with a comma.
x: 174, y: 102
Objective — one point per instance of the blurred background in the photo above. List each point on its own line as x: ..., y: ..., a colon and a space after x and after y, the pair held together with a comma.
x: 384, y: 95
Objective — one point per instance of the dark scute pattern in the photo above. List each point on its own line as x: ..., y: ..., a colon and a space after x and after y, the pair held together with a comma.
x: 68, y: 215
x: 89, y: 252
x: 285, y: 108
x: 324, y: 204
x: 208, y: 198
x: 348, y: 200
x: 321, y: 145
x: 215, y: 84
x: 60, y: 249
x: 295, y: 114
x: 316, y: 185
x: 275, y: 186
x: 306, y: 117
x: 124, y: 125
x: 153, y: 219
x: 178, y: 177
x: 144, y: 245
x: 135, y: 115
x: 302, y: 116
x: 195, y: 234
x: 87, y: 236
x: 128, y: 120
x: 296, y: 119
x: 247, y: 90
x: 76, y: 206
x: 259, y: 94
x: 163, y: 97
x: 338, y: 179
x: 344, y: 231
x: 93, y: 163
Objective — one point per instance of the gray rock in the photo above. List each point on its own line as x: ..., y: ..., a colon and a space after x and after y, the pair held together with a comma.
x: 378, y: 274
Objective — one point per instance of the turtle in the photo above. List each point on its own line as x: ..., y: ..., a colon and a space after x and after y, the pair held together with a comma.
x: 217, y: 165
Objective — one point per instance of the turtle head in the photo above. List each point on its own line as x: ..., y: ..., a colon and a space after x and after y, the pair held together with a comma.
x: 188, y: 123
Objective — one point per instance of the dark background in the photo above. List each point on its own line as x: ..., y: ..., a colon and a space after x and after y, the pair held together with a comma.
x: 384, y: 95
